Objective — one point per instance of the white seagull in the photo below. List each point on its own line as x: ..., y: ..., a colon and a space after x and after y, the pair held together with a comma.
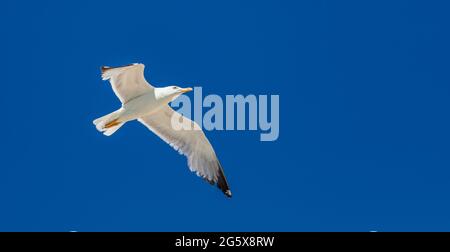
x: 149, y: 105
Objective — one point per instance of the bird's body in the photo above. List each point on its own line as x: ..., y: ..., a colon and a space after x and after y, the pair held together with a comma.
x: 143, y: 105
x: 149, y: 105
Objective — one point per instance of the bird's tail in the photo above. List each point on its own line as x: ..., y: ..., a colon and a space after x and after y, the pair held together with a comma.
x: 109, y: 123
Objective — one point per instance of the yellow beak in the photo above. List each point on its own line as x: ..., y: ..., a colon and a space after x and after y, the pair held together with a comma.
x: 184, y: 90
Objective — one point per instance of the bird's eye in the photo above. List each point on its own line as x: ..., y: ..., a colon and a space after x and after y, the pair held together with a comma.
x: 174, y: 87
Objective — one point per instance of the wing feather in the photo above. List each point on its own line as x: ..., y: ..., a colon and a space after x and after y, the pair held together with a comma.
x: 192, y: 143
x: 127, y: 82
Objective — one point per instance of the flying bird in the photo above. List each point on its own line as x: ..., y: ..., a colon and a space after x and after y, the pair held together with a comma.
x: 149, y: 105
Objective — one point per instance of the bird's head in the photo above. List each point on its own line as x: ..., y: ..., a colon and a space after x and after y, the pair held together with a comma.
x: 172, y: 92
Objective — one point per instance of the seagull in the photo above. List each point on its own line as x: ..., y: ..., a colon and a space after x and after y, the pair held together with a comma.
x: 149, y: 105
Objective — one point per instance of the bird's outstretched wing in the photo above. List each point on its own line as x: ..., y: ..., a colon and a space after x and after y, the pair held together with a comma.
x: 192, y: 143
x: 128, y: 81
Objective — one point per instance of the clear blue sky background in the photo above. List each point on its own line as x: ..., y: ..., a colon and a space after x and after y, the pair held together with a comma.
x: 364, y: 115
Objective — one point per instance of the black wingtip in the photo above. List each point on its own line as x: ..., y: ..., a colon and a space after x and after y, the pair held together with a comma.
x: 228, y: 193
x: 106, y: 68
x: 222, y: 183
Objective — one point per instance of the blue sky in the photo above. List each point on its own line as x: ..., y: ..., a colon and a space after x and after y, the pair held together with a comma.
x: 364, y: 115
